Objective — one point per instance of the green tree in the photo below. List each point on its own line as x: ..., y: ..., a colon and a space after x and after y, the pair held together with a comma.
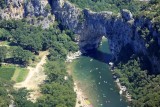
x: 2, y: 4
x: 4, y: 34
x: 3, y: 52
x: 21, y: 56
x: 20, y: 98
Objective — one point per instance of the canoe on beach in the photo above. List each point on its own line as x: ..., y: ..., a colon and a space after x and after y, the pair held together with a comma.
x: 88, y: 103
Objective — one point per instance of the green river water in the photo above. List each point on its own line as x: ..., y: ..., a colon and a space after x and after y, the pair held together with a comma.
x: 95, y: 79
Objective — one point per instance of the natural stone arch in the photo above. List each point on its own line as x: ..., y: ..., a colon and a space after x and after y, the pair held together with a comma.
x: 91, y: 26
x: 96, y: 25
x: 120, y: 29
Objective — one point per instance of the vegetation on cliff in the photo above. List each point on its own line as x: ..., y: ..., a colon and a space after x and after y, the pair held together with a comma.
x: 152, y: 12
x: 150, y: 27
x: 109, y: 5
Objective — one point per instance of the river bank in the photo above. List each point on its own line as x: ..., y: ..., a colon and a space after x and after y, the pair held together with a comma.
x: 82, y: 99
x: 71, y: 56
x: 122, y: 89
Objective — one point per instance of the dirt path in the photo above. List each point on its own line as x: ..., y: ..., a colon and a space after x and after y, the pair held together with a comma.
x: 35, y: 77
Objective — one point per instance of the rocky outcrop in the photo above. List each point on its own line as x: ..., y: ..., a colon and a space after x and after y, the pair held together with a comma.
x: 121, y: 30
x: 67, y: 13
x: 127, y: 15
x: 35, y: 8
x: 14, y: 10
x: 36, y: 12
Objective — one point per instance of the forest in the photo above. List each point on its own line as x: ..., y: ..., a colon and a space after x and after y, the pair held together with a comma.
x: 24, y: 42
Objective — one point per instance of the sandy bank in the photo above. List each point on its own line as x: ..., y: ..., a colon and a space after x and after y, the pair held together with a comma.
x: 82, y: 99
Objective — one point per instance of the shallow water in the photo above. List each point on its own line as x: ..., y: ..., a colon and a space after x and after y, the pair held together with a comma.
x: 95, y: 79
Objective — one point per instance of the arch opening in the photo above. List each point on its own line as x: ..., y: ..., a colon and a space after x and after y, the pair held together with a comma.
x: 100, y: 52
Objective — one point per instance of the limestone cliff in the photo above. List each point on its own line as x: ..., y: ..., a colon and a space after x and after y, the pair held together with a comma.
x: 35, y: 11
x: 14, y: 10
x: 121, y: 30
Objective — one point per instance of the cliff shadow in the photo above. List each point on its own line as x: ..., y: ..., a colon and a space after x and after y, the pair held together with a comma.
x: 125, y: 54
x: 99, y: 55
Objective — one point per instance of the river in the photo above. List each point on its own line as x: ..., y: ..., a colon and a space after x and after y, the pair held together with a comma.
x: 95, y: 79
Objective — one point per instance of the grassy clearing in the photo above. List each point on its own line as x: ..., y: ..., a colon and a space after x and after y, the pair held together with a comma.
x: 11, y: 72
x: 4, y: 43
x: 20, y: 74
x: 7, y: 72
x: 16, y: 73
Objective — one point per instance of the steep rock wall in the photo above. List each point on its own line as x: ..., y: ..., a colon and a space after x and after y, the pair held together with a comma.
x: 14, y: 10
x: 121, y: 30
x: 33, y: 10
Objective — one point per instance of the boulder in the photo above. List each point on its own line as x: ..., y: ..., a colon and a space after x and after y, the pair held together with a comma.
x: 126, y: 14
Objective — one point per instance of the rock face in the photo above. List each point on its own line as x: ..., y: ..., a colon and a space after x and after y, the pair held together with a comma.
x: 14, y: 10
x: 127, y: 15
x: 121, y: 30
x: 35, y: 8
x: 37, y: 12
